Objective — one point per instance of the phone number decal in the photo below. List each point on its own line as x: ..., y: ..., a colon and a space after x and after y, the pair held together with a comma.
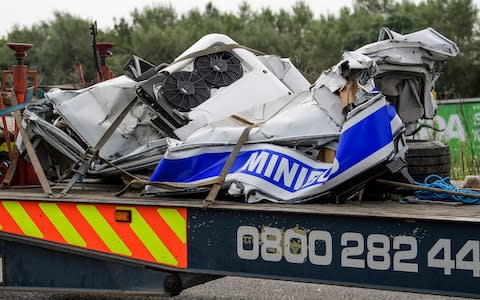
x: 380, y: 252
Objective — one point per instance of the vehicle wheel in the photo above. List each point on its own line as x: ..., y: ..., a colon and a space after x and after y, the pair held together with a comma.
x: 425, y: 158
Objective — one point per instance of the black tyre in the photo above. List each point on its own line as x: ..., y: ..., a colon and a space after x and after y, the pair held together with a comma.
x: 425, y: 158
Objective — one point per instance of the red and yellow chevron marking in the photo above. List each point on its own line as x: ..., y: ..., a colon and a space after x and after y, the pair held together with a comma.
x: 155, y: 234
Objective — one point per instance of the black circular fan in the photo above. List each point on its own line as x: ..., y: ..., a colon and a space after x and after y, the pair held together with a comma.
x: 219, y: 69
x: 185, y: 90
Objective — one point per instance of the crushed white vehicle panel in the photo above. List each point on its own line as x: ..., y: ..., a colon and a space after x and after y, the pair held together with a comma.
x: 303, y: 141
x: 281, y: 174
x: 91, y: 111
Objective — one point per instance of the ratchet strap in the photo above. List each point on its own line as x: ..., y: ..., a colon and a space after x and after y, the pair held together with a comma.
x: 220, y: 180
x: 216, y: 182
x: 37, y: 167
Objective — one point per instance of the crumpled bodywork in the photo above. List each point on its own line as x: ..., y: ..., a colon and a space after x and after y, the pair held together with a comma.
x: 283, y: 174
x: 303, y: 141
x: 74, y: 121
x: 407, y: 69
x: 352, y: 109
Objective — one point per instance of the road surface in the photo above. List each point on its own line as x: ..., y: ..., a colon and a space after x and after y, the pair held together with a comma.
x: 235, y: 288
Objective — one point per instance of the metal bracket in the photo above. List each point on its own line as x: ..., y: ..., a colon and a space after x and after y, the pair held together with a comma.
x: 2, y: 272
x: 78, y: 174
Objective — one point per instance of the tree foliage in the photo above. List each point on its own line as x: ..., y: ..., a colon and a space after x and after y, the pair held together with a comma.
x: 159, y: 34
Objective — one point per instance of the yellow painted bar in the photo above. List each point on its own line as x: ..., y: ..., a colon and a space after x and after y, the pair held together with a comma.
x: 175, y: 221
x: 148, y: 237
x: 23, y: 220
x: 62, y: 224
x: 103, y: 229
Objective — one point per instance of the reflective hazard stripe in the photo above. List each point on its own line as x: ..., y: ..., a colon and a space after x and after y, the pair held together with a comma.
x: 175, y: 221
x: 92, y: 239
x: 103, y: 229
x: 8, y: 223
x: 153, y: 243
x: 23, y: 220
x: 61, y: 223
x: 154, y: 234
x: 165, y: 233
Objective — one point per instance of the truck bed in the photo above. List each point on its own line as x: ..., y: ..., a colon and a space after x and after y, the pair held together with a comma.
x: 170, y: 243
x: 105, y: 193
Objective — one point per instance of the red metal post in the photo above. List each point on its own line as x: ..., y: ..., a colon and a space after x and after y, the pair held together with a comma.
x: 19, y: 72
x: 104, y: 52
x: 81, y: 77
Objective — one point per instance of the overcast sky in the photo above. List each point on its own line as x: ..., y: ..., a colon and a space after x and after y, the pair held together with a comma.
x: 27, y: 12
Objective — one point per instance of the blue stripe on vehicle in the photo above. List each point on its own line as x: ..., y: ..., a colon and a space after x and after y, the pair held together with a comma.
x: 364, y: 138
x: 356, y: 144
x: 196, y: 167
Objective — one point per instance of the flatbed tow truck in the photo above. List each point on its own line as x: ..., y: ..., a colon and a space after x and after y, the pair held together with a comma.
x: 91, y: 241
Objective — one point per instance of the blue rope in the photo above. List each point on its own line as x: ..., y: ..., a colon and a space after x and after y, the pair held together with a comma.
x: 435, y: 181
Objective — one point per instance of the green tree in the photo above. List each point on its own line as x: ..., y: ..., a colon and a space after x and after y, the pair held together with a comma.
x: 66, y: 42
x: 159, y: 34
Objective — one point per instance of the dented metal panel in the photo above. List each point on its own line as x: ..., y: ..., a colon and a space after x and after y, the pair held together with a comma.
x: 201, y: 103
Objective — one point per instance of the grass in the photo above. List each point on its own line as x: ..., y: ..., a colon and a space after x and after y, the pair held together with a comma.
x: 463, y: 154
x: 464, y: 160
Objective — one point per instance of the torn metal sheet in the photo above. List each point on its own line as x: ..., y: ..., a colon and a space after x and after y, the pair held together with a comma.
x: 72, y: 122
x: 297, y: 119
x: 303, y: 141
x: 281, y: 174
x: 428, y: 38
x: 335, y: 78
x: 369, y: 96
x: 407, y: 68
x: 402, y: 67
x: 91, y: 111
